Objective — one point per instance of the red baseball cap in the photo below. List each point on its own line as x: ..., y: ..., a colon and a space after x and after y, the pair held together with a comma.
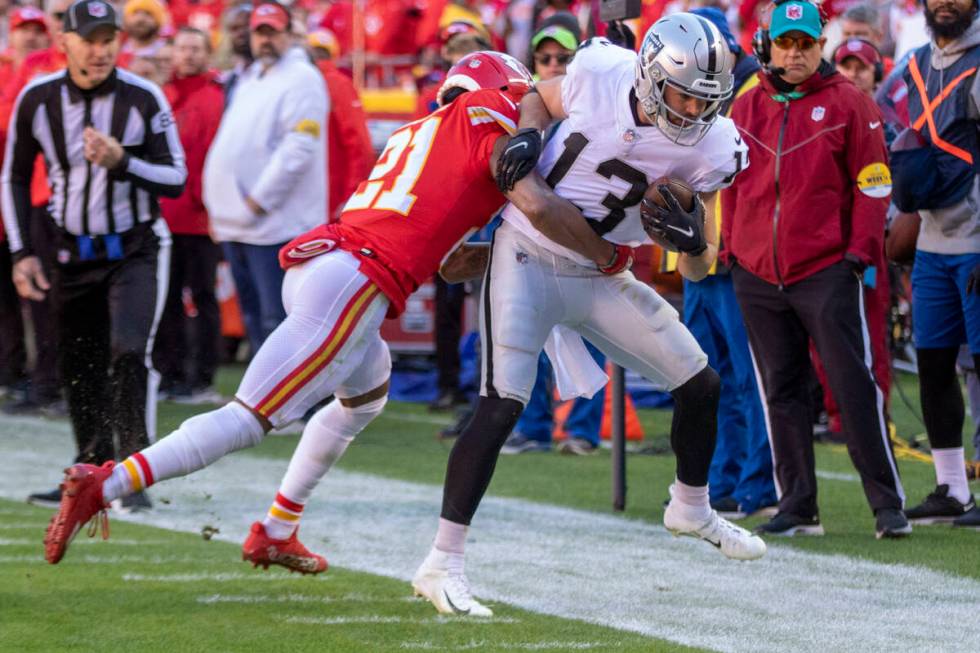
x: 859, y: 48
x: 24, y: 15
x: 271, y: 14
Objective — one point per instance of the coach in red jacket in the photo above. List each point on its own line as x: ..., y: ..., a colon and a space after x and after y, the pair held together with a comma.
x: 187, y: 363
x: 802, y: 226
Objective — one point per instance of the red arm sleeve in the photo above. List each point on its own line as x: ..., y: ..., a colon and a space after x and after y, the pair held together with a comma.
x: 354, y: 136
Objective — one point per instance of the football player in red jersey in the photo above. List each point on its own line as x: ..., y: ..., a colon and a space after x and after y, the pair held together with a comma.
x: 431, y: 187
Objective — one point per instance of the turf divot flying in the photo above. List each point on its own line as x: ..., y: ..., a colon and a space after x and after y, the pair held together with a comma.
x: 599, y: 568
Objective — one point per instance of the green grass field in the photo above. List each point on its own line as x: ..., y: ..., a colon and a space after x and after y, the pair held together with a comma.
x: 124, y: 593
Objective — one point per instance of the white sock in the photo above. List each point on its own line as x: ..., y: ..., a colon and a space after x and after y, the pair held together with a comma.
x: 325, y: 439
x: 951, y: 470
x: 692, y: 499
x: 451, y: 537
x: 198, y: 442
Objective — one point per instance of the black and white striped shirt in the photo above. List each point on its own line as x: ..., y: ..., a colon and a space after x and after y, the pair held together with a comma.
x: 87, y: 199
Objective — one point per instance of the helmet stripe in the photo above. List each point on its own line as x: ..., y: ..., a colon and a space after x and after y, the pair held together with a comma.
x: 712, y: 58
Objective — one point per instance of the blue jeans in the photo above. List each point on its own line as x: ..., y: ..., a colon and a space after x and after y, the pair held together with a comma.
x: 538, y: 419
x: 742, y: 464
x: 258, y: 280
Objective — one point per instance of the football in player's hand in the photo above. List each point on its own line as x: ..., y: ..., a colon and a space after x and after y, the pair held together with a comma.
x: 684, y: 195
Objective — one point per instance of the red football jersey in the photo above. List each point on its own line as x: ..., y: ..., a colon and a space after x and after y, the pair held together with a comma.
x: 431, y: 187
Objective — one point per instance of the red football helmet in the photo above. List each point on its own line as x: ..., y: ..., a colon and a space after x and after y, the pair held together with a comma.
x: 479, y: 70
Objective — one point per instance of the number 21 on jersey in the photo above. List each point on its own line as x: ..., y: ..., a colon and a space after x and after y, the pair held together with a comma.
x: 397, y: 170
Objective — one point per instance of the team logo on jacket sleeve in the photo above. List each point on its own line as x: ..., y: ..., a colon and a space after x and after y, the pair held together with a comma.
x: 875, y: 180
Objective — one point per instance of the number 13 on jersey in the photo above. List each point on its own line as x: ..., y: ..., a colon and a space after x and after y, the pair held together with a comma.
x: 397, y: 170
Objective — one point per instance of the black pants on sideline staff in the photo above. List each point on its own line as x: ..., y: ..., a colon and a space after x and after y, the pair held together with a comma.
x: 45, y: 384
x: 13, y: 354
x: 108, y: 312
x: 828, y: 306
x: 186, y: 352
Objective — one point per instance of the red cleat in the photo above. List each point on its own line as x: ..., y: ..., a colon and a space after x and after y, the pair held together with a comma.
x: 260, y: 549
x: 81, y: 499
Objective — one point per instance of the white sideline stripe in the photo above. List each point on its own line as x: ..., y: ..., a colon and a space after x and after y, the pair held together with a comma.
x: 212, y: 578
x: 606, y: 570
x: 838, y: 476
x: 23, y: 526
x: 397, y: 416
x: 7, y: 541
x: 107, y: 560
x: 380, y: 619
x: 213, y: 599
x: 509, y: 646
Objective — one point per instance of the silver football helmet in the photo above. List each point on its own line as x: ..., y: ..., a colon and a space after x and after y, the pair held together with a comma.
x: 687, y: 52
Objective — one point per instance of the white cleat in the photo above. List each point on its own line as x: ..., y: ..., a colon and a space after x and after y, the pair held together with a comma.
x: 441, y: 580
x: 733, y: 541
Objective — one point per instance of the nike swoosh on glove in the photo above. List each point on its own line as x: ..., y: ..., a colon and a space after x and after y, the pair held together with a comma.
x: 683, y: 229
x: 519, y: 158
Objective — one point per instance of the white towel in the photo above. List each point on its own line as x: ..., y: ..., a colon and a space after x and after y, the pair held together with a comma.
x: 576, y: 372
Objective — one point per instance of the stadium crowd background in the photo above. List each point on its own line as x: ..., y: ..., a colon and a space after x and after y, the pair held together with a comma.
x: 382, y: 63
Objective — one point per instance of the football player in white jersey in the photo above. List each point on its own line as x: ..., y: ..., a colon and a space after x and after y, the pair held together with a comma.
x: 627, y: 120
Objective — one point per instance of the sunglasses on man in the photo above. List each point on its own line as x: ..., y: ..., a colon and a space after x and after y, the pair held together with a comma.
x: 804, y: 43
x: 545, y: 59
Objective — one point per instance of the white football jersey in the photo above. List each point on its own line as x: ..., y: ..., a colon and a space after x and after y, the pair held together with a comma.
x: 602, y: 161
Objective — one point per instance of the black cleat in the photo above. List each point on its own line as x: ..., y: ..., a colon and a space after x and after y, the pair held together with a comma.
x: 939, y: 508
x: 136, y: 502
x: 787, y: 525
x: 50, y: 499
x: 891, y: 523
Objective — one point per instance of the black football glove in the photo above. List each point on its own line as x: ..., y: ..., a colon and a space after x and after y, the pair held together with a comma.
x: 620, y: 34
x: 973, y: 281
x: 683, y: 229
x: 519, y: 158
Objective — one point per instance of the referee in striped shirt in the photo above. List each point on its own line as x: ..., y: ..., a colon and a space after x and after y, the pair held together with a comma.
x: 111, y: 148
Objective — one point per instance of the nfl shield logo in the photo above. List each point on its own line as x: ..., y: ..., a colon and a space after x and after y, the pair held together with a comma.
x: 817, y: 114
x: 96, y: 9
x: 794, y: 12
x: 475, y: 63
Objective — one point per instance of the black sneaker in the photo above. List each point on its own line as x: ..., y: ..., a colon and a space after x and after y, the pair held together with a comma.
x: 788, y: 525
x: 728, y: 508
x: 969, y: 519
x: 891, y: 523
x: 136, y: 502
x: 939, y: 508
x: 50, y: 499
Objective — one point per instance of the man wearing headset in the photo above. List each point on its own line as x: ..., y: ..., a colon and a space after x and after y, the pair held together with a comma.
x: 801, y: 228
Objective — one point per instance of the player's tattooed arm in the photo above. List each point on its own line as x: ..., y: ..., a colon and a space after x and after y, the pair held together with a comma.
x: 556, y: 218
x: 695, y: 268
x: 465, y: 263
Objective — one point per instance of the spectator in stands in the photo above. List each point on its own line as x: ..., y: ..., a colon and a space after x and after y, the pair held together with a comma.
x: 142, y: 22
x: 28, y: 32
x: 236, y: 29
x: 552, y: 49
x: 204, y: 15
x: 942, y: 91
x: 740, y: 478
x: 799, y: 244
x: 350, y: 154
x: 187, y: 345
x: 263, y: 177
